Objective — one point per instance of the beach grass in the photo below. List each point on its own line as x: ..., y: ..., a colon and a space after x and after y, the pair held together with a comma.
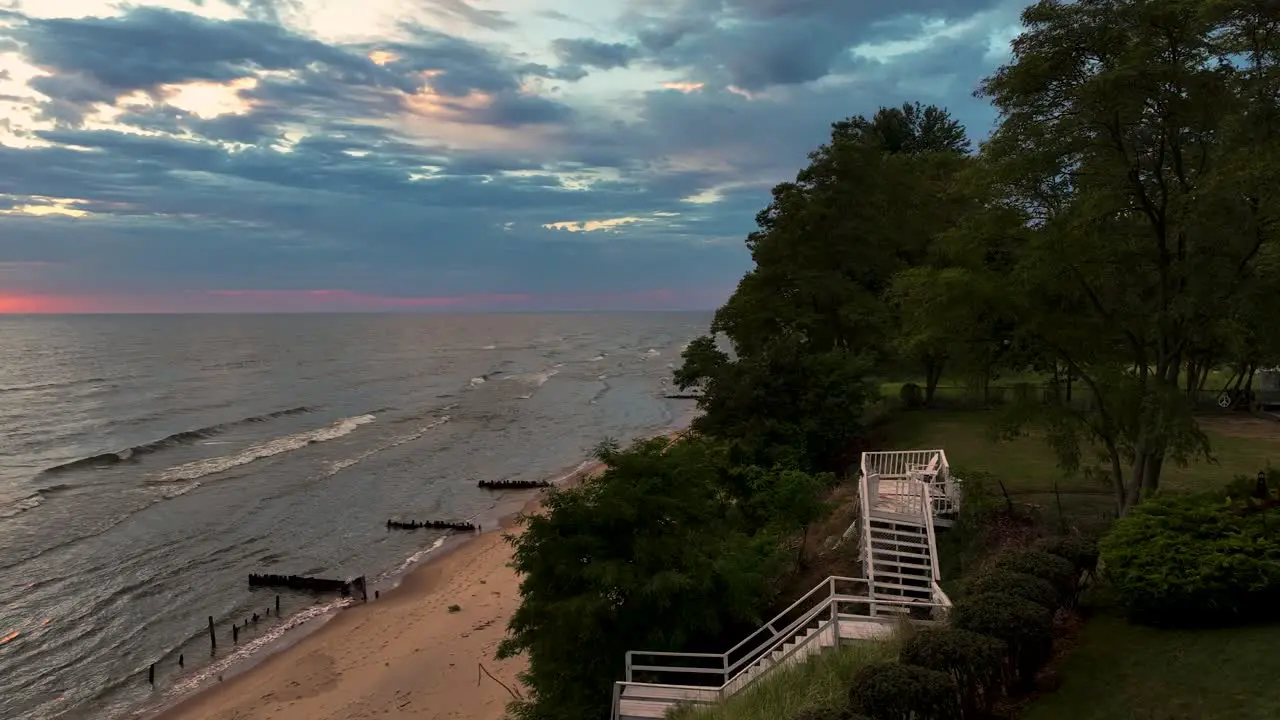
x: 818, y: 685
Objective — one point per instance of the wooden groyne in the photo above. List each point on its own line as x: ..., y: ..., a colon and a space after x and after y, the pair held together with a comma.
x: 431, y: 524
x: 513, y: 484
x: 302, y: 582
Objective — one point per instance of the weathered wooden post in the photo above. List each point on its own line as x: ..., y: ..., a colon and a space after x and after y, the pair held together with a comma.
x: 181, y: 661
x: 151, y: 674
x: 235, y: 633
x: 277, y: 606
x: 213, y: 639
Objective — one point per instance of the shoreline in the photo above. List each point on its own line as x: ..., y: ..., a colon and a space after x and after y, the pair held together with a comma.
x: 407, y: 654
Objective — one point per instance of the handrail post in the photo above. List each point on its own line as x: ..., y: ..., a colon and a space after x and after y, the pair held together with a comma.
x: 629, y: 679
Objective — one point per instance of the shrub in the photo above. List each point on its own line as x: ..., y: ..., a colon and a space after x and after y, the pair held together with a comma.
x: 893, y: 691
x: 1025, y: 627
x: 976, y: 662
x: 1195, y: 560
x: 1080, y: 551
x: 1059, y: 572
x: 911, y: 395
x: 1027, y: 587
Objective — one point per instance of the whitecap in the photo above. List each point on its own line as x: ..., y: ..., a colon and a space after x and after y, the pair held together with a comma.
x: 210, y: 466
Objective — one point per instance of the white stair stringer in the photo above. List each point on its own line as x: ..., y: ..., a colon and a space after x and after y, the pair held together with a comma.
x: 898, y: 562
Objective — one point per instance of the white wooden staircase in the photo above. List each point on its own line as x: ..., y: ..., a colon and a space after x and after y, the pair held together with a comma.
x: 903, y: 496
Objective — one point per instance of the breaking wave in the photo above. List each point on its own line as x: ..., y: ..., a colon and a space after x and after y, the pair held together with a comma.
x: 179, y: 438
x: 202, y: 468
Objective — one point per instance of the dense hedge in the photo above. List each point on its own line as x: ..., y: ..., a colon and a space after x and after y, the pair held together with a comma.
x: 1027, y: 587
x: 1195, y: 560
x: 1059, y: 572
x: 976, y: 662
x: 1025, y: 627
x: 1080, y: 551
x: 893, y: 691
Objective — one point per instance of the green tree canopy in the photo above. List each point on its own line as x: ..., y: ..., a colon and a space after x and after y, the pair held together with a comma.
x: 647, y: 556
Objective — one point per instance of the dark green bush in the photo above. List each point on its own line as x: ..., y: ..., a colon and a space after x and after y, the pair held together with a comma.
x: 1195, y: 560
x: 1025, y: 627
x: 976, y: 662
x: 1027, y: 587
x: 911, y: 395
x: 1079, y: 550
x: 1059, y: 572
x: 893, y: 691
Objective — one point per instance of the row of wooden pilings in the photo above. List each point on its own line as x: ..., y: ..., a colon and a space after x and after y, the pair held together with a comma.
x: 297, y: 582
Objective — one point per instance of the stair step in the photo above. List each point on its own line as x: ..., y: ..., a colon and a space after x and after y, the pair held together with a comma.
x: 884, y: 554
x: 928, y: 577
x: 904, y: 522
x: 884, y: 542
x: 877, y: 534
x: 926, y: 564
x: 903, y: 590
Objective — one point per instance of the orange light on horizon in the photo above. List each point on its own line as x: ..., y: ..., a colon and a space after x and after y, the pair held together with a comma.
x: 16, y: 304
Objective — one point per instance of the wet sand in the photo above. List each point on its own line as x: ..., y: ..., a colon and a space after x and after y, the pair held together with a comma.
x: 402, y: 656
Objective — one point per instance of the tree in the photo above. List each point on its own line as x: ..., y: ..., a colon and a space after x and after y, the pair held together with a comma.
x: 649, y: 555
x: 1137, y: 147
x: 784, y: 405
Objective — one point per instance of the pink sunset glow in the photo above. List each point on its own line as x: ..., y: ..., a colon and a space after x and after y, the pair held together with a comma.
x: 338, y: 300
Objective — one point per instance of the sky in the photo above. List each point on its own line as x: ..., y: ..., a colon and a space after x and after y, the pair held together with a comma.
x: 453, y: 155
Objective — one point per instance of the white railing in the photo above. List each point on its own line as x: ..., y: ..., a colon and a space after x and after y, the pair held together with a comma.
x: 864, y: 511
x: 723, y: 672
x: 928, y: 466
x: 930, y: 532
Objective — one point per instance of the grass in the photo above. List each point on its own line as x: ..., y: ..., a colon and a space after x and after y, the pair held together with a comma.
x: 821, y: 683
x: 1120, y: 671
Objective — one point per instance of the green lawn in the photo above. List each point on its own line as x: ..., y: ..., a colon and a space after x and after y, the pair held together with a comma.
x: 1241, y: 444
x: 1124, y: 672
x: 1119, y: 671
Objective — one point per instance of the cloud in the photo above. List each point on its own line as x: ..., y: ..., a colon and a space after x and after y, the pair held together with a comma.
x: 234, y: 157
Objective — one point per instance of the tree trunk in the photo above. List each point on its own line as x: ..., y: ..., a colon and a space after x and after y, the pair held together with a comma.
x: 932, y: 376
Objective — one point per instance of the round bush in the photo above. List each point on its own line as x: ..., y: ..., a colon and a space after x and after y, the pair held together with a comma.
x: 1195, y: 560
x: 1025, y: 627
x: 1059, y: 572
x: 1027, y: 587
x: 911, y: 395
x: 1080, y: 551
x: 893, y: 691
x: 976, y: 662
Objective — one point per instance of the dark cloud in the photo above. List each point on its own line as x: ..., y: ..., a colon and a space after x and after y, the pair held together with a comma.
x: 464, y: 10
x: 756, y: 44
x: 593, y: 53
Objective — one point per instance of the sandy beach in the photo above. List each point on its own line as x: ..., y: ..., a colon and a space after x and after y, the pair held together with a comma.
x: 402, y: 656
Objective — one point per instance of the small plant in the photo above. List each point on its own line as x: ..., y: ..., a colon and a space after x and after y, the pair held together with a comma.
x: 1079, y: 550
x: 893, y: 691
x: 1025, y: 628
x: 1027, y: 587
x: 976, y: 662
x: 1059, y: 572
x: 455, y: 608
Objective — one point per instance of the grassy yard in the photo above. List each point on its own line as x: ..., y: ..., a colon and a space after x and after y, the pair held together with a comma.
x: 1119, y: 671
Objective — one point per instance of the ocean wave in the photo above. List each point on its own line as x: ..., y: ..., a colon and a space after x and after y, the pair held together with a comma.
x: 650, y: 354
x: 340, y: 465
x: 179, y: 438
x: 30, y: 387
x: 202, y: 468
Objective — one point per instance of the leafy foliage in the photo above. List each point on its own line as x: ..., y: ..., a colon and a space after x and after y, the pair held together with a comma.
x: 1057, y: 571
x: 1025, y: 627
x: 1195, y: 560
x: 976, y: 662
x: 652, y: 537
x: 894, y: 691
x: 1080, y: 551
x: 1022, y: 585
